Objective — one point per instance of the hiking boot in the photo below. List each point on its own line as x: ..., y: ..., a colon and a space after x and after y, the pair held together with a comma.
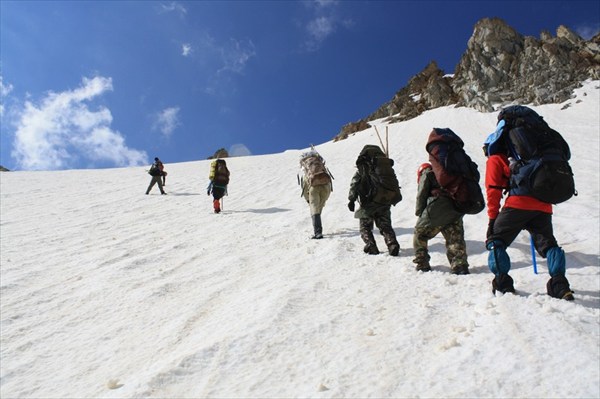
x: 394, y: 249
x: 423, y: 267
x: 503, y: 283
x: 422, y: 260
x: 371, y: 249
x: 460, y: 270
x: 558, y: 287
x: 163, y: 193
x: 317, y: 226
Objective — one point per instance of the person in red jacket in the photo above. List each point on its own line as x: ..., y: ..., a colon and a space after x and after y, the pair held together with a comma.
x: 520, y: 212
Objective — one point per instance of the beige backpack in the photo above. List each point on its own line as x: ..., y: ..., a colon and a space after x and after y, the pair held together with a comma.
x: 315, y: 172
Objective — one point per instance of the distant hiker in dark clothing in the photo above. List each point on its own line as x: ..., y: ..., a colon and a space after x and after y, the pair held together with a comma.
x: 157, y: 176
x: 437, y: 214
x: 520, y: 212
x: 316, y: 187
x: 219, y: 179
x: 375, y: 200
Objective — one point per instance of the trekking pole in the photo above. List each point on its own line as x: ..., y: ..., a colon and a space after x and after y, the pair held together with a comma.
x: 387, y: 143
x: 222, y: 201
x: 533, y: 255
x: 379, y: 137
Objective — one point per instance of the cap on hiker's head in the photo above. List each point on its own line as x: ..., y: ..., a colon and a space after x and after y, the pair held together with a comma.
x: 493, y: 139
x: 156, y: 159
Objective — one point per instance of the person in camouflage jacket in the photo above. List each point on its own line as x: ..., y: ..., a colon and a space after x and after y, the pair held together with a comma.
x: 371, y: 213
x: 437, y: 214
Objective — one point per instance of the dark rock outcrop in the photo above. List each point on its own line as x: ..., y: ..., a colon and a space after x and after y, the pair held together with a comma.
x: 220, y: 153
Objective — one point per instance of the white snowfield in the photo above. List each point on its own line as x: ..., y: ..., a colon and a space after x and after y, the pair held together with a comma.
x: 110, y: 293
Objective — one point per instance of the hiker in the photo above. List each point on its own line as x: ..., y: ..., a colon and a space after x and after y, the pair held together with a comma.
x: 521, y: 211
x: 376, y: 188
x: 437, y: 213
x: 219, y: 179
x: 156, y: 173
x: 316, y: 184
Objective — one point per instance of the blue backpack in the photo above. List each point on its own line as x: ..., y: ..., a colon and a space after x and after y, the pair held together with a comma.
x: 541, y: 168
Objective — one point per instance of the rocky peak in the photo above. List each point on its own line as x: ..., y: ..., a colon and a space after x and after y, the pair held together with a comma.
x: 220, y: 153
x: 499, y: 67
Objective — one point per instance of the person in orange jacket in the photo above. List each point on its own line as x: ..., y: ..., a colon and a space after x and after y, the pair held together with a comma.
x: 520, y: 212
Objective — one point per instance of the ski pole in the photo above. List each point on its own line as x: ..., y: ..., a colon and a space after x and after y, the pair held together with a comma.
x: 533, y: 255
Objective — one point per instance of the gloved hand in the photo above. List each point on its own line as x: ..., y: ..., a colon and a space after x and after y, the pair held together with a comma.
x: 208, y: 192
x: 351, y: 206
x: 490, y: 229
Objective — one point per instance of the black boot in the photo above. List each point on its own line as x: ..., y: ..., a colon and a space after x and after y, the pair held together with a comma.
x: 394, y: 249
x: 390, y: 240
x: 366, y: 234
x: 317, y: 226
x: 558, y: 287
x: 371, y: 248
x: 503, y: 283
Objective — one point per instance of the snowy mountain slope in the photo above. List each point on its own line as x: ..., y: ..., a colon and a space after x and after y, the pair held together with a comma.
x: 106, y: 292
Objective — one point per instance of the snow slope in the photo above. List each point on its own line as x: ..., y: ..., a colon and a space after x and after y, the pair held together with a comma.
x: 108, y: 293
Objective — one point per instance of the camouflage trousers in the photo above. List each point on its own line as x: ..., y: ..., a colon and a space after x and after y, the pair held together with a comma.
x: 383, y: 223
x: 456, y: 249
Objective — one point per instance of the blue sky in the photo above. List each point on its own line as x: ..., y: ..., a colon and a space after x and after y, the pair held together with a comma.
x: 88, y: 84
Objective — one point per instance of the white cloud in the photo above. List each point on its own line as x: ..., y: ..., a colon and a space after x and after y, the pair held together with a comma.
x: 325, y: 3
x: 324, y: 22
x: 320, y: 27
x: 4, y: 92
x: 173, y: 7
x: 5, y: 89
x: 102, y: 143
x: 186, y: 49
x: 239, y: 150
x: 167, y: 120
x: 62, y: 128
x: 221, y: 60
x: 236, y: 55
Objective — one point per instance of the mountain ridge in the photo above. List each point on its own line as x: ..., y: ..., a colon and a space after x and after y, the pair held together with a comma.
x: 499, y: 67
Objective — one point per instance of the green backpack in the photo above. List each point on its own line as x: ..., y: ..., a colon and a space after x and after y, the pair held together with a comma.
x: 379, y: 183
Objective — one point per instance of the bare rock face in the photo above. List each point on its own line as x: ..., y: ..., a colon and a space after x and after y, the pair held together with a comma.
x: 499, y: 67
x: 427, y: 90
x: 351, y: 128
x: 220, y: 153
